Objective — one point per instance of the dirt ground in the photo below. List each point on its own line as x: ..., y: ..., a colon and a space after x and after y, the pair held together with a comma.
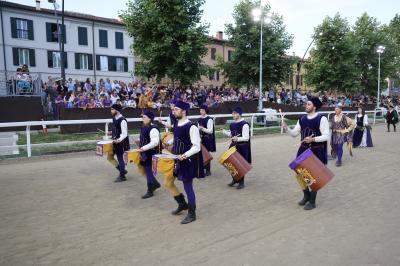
x: 66, y: 210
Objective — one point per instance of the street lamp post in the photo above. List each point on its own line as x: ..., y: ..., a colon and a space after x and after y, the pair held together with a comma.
x: 259, y: 15
x: 380, y: 50
x: 60, y: 35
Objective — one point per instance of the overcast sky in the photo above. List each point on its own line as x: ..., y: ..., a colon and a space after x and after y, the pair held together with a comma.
x: 300, y: 16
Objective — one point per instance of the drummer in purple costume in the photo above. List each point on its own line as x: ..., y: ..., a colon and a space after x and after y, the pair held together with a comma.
x: 240, y: 135
x: 207, y: 133
x: 149, y: 145
x: 187, y: 147
x: 314, y: 130
x: 120, y: 142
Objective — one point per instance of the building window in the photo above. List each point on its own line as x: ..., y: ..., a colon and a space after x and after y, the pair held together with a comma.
x: 82, y: 36
x: 23, y: 56
x: 56, y: 60
x: 119, y: 40
x: 213, y: 53
x: 21, y: 28
x: 103, y: 63
x: 230, y: 54
x: 83, y: 61
x: 52, y: 33
x: 120, y: 64
x: 103, y: 38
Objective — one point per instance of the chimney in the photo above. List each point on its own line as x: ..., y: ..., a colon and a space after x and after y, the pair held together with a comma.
x: 220, y: 35
x: 38, y: 5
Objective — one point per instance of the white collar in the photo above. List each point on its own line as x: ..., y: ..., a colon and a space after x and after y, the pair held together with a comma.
x: 183, y: 121
x: 312, y: 116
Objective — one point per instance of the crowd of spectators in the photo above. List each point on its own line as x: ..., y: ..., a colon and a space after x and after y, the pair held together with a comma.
x: 104, y: 93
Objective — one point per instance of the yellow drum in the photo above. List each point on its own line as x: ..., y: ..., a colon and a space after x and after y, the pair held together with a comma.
x: 133, y: 156
x: 164, y: 163
x: 236, y: 165
x: 103, y: 147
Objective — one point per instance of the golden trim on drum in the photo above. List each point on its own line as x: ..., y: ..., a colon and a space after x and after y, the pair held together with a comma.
x: 226, y: 155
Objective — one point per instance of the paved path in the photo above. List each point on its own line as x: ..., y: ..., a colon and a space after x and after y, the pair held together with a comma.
x: 67, y: 211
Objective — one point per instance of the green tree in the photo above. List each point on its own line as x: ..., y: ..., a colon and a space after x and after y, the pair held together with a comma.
x: 332, y: 64
x: 393, y: 35
x: 244, y: 36
x: 169, y: 38
x: 366, y: 36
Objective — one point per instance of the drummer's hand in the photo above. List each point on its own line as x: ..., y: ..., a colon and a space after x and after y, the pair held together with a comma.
x: 116, y: 141
x: 308, y: 140
x: 140, y: 150
x: 182, y: 157
x: 235, y: 139
x: 109, y: 133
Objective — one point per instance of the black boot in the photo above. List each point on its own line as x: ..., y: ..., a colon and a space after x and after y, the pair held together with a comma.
x: 191, y: 215
x: 241, y: 184
x: 231, y: 184
x: 306, y: 197
x: 125, y: 172
x: 182, y: 205
x: 311, y: 203
x: 150, y: 189
x: 120, y: 178
x: 207, y: 169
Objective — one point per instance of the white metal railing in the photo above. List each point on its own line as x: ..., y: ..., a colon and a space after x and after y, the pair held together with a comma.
x: 106, y: 122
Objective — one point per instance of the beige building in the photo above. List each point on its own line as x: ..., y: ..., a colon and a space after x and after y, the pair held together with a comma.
x: 217, y: 48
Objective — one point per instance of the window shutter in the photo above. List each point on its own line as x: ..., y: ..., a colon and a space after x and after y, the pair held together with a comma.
x: 77, y: 65
x: 30, y: 30
x: 32, y: 61
x: 82, y: 36
x: 119, y: 40
x: 48, y: 32
x: 13, y: 27
x: 103, y: 38
x: 90, y: 62
x: 112, y: 64
x: 125, y: 64
x: 98, y: 62
x: 15, y: 56
x: 50, y: 59
x: 65, y: 58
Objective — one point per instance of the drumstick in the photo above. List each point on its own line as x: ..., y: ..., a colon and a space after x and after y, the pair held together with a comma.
x: 101, y: 130
x: 297, y: 144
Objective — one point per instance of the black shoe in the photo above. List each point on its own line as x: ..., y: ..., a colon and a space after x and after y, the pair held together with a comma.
x: 125, y: 172
x: 306, y: 197
x: 338, y: 164
x: 208, y: 173
x: 191, y: 215
x: 232, y: 184
x: 120, y: 179
x: 311, y: 203
x: 240, y: 186
x: 149, y: 194
x: 155, y: 186
x: 182, y: 205
x: 309, y: 206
